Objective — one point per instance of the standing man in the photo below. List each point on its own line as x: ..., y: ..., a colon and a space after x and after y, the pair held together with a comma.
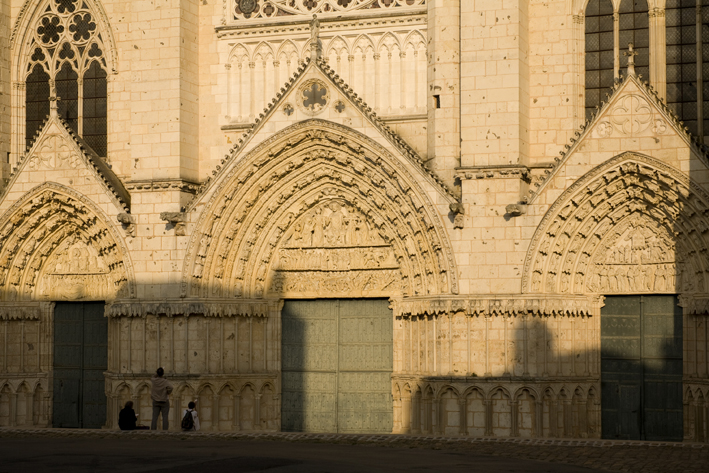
x: 161, y: 403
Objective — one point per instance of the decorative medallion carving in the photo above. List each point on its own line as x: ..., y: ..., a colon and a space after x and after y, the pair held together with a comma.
x: 54, y: 153
x: 313, y: 96
x: 631, y: 115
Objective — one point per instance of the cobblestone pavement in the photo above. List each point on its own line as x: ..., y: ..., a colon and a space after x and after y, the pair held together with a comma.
x: 592, y: 455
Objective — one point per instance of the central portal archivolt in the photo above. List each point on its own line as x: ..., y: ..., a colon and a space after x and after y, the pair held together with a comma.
x: 319, y: 211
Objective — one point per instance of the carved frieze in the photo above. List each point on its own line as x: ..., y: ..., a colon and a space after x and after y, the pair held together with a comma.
x: 244, y: 10
x: 342, y: 283
x: 567, y: 306
x: 333, y: 250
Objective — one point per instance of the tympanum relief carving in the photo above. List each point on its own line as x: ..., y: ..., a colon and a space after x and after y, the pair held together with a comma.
x: 317, y: 197
x: 332, y: 250
x: 54, y: 245
x: 634, y: 225
x: 642, y: 259
x: 76, y: 271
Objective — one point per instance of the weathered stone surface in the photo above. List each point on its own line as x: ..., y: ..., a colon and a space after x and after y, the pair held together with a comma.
x: 387, y: 149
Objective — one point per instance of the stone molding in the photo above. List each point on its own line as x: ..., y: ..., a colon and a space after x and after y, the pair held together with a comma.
x: 294, y: 21
x: 20, y: 312
x: 163, y: 185
x: 186, y: 308
x: 500, y: 306
x: 511, y: 171
x: 661, y: 213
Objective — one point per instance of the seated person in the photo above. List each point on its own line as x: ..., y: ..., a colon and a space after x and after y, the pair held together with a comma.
x: 127, y: 418
x: 190, y: 419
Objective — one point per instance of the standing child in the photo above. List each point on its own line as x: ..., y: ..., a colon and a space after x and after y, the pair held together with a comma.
x: 190, y: 419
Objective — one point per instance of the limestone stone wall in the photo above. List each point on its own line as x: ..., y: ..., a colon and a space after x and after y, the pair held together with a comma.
x: 25, y: 370
x: 454, y: 135
x: 5, y: 86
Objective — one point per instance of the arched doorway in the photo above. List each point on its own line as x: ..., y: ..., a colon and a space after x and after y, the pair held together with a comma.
x: 633, y: 232
x: 333, y: 225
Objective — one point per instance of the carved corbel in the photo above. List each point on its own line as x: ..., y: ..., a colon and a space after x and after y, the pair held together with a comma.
x: 458, y: 211
x: 177, y: 219
x: 515, y: 210
x: 128, y: 223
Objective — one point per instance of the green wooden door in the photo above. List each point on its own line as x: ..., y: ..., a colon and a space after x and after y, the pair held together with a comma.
x: 641, y: 368
x: 80, y: 358
x: 337, y: 363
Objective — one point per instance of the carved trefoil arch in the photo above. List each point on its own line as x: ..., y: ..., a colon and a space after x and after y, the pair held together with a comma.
x: 57, y: 245
x: 631, y: 225
x: 318, y: 210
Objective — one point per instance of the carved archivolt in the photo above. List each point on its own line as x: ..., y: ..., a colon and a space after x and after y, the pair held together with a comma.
x: 319, y: 210
x: 55, y: 245
x: 632, y: 225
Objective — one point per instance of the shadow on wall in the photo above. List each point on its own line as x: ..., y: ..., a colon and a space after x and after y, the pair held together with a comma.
x: 527, y: 379
x: 536, y: 376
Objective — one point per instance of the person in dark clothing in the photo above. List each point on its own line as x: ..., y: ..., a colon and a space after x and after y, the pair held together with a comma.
x: 126, y: 418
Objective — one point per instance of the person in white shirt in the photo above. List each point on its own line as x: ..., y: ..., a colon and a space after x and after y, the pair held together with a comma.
x: 186, y: 420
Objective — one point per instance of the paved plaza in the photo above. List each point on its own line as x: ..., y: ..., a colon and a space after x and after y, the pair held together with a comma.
x: 97, y: 451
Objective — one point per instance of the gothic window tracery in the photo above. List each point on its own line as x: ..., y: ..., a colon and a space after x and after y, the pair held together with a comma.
x: 67, y: 62
x: 604, y: 53
x: 685, y: 68
x: 599, y: 51
x: 252, y: 9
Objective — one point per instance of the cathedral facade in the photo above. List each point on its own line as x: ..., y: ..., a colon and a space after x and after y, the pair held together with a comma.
x: 450, y: 217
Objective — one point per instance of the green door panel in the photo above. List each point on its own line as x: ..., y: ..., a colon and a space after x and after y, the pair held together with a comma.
x: 95, y: 363
x: 641, y: 368
x: 337, y: 363
x: 67, y: 388
x: 80, y: 359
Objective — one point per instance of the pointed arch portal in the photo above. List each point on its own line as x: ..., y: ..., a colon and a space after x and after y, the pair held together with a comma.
x: 321, y: 212
x: 633, y: 230
x: 318, y: 211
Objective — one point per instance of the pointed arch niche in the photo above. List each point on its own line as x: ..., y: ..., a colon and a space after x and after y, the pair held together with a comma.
x: 56, y: 245
x: 61, y: 49
x: 318, y: 210
x: 631, y: 225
